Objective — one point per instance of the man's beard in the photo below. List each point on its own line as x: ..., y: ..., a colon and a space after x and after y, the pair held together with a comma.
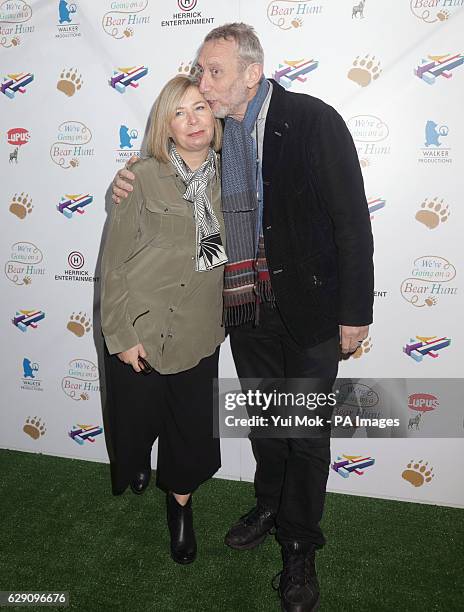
x: 237, y: 107
x: 222, y: 112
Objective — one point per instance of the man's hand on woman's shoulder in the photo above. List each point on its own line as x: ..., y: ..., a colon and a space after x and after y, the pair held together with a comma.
x: 121, y: 186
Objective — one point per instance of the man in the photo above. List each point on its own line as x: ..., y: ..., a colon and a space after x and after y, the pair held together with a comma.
x: 299, y: 281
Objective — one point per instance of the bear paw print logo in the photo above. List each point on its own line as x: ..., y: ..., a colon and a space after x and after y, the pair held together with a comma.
x: 27, y: 280
x: 84, y: 396
x: 431, y: 301
x: 74, y: 163
x: 432, y: 213
x: 297, y: 23
x: 364, y: 70
x: 79, y: 324
x: 70, y: 82
x: 14, y: 42
x: 443, y: 15
x: 364, y: 162
x: 363, y: 348
x: 189, y: 68
x: 21, y: 205
x: 128, y: 32
x: 34, y: 427
x: 417, y: 473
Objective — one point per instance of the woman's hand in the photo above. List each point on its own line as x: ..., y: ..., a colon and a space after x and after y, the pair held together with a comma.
x: 131, y: 356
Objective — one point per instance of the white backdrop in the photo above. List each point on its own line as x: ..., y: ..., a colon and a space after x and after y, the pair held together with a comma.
x: 78, y: 81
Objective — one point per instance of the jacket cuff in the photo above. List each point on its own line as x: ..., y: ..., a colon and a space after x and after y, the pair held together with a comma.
x: 122, y: 341
x: 360, y: 322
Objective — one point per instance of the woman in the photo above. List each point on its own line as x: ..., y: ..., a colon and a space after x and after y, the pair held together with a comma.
x: 162, y: 277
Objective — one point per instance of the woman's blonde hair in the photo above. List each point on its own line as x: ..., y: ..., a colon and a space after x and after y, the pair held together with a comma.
x: 163, y: 113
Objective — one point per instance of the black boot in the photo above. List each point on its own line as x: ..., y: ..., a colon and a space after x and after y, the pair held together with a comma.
x: 298, y: 586
x: 251, y: 529
x: 180, y: 523
x: 140, y: 481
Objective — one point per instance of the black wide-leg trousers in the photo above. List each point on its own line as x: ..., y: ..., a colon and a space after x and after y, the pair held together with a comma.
x: 175, y: 408
x: 291, y: 473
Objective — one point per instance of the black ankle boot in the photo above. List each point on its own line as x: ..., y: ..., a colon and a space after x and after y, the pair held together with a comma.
x: 298, y: 586
x: 140, y: 481
x: 180, y: 523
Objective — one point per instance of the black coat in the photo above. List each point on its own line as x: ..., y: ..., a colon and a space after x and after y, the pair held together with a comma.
x: 317, y: 230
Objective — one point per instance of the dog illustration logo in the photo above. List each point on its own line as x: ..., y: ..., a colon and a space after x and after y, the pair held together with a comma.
x: 358, y: 9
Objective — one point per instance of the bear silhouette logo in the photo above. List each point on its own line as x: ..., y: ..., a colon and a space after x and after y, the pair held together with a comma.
x: 433, y: 133
x: 65, y: 10
x: 29, y: 368
x: 126, y: 138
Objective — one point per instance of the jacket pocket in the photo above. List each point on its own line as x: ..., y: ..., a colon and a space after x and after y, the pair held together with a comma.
x: 318, y: 276
x: 164, y: 207
x: 142, y: 324
x: 170, y: 219
x: 134, y: 321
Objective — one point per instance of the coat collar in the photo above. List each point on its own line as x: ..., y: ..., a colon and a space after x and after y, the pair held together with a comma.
x: 167, y: 169
x: 278, y: 113
x: 277, y: 129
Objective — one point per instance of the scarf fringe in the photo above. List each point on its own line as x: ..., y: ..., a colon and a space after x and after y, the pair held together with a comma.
x: 245, y: 307
x: 239, y: 314
x: 264, y: 290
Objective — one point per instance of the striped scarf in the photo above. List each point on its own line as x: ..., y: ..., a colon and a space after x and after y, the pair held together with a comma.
x: 209, y: 248
x: 246, y: 277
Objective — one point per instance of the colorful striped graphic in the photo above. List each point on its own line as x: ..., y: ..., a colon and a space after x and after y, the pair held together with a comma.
x: 81, y: 433
x: 351, y: 464
x: 123, y: 77
x: 73, y: 203
x: 438, y: 65
x: 420, y: 347
x: 13, y: 83
x: 295, y: 70
x: 375, y: 204
x: 27, y: 318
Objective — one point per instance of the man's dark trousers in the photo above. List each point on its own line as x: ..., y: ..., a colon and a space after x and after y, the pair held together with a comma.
x: 291, y: 473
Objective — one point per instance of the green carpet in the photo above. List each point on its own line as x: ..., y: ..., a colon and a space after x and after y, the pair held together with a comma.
x: 61, y: 529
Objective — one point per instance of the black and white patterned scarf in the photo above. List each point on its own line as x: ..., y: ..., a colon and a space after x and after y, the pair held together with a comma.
x: 210, y: 251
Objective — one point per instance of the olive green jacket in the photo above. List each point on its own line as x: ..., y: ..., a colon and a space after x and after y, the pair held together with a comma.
x: 151, y: 292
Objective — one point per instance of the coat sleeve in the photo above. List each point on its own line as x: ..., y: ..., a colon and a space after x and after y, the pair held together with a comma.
x: 117, y: 327
x: 340, y: 184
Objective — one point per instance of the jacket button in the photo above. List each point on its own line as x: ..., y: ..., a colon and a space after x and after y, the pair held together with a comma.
x: 166, y: 210
x: 162, y: 335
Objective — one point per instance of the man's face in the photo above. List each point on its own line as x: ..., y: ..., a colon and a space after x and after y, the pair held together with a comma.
x: 222, y: 79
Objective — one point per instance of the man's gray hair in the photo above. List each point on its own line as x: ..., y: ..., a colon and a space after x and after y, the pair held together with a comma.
x: 249, y: 48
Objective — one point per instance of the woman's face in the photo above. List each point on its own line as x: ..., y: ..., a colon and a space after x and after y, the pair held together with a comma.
x: 192, y: 128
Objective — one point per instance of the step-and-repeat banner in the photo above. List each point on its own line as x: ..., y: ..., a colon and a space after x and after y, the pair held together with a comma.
x: 78, y: 80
